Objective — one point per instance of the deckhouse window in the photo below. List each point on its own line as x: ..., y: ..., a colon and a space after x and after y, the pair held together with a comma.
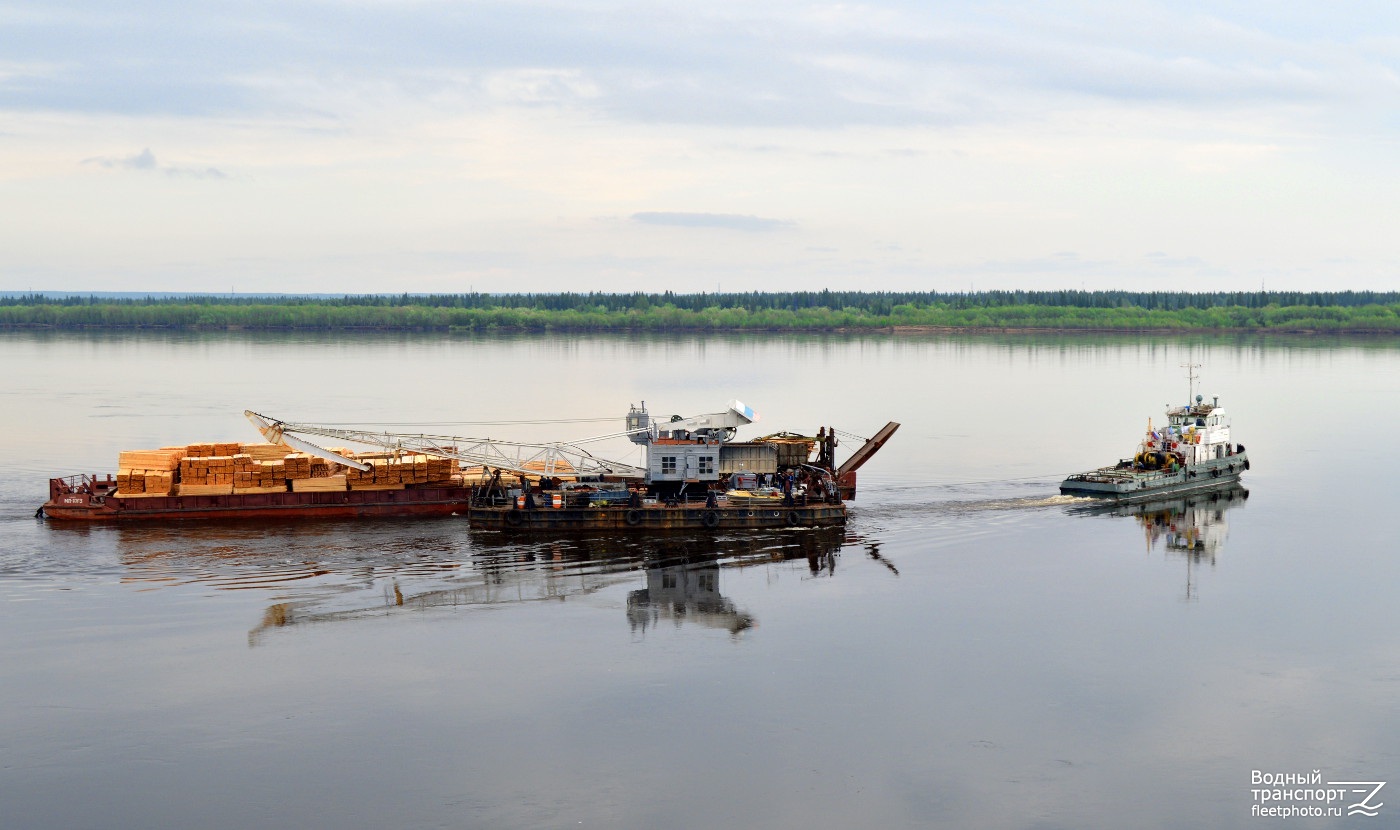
x: 668, y: 464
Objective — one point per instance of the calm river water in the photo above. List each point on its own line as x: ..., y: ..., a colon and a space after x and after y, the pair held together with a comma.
x: 972, y: 651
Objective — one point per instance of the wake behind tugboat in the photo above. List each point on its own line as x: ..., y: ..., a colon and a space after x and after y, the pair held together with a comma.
x: 954, y: 507
x: 1008, y: 504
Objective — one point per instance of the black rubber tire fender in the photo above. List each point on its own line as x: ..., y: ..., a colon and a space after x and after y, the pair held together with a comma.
x: 710, y: 518
x: 633, y: 518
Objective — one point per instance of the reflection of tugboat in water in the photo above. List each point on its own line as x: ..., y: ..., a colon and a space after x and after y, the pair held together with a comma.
x: 1192, y: 527
x: 1191, y: 453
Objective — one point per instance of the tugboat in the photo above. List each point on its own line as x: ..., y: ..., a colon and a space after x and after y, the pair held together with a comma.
x: 1191, y: 453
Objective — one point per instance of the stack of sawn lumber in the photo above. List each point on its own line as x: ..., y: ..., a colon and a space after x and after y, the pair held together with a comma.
x: 229, y: 468
x: 394, y: 472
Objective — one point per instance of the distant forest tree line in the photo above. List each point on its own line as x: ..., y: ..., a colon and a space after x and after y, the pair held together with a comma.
x: 1283, y: 311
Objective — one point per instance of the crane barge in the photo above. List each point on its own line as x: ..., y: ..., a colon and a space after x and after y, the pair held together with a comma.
x: 695, y: 476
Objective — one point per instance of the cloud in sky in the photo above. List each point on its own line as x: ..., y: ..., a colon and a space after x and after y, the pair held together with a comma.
x: 723, y: 62
x: 727, y: 221
x: 146, y: 160
x: 913, y: 144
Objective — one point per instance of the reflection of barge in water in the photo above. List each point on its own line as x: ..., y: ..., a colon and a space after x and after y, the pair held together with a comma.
x: 682, y: 577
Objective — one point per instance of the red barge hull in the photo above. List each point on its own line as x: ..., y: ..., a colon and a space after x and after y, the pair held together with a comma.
x: 89, y: 499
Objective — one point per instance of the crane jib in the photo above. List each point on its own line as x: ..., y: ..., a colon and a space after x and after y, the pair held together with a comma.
x: 558, y: 459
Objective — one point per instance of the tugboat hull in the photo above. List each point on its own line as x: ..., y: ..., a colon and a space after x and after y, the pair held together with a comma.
x: 1128, y: 485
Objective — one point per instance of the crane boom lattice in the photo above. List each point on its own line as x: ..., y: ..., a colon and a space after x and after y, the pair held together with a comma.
x: 554, y: 460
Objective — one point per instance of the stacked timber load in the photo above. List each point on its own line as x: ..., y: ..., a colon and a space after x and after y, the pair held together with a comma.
x: 562, y: 469
x: 213, y: 475
x: 263, y: 452
x: 297, y: 465
x: 396, y: 472
x: 148, y: 472
x: 133, y: 482
x: 309, y: 474
x: 440, y: 470
x: 160, y: 482
x: 255, y: 476
x: 223, y: 468
x: 319, y: 484
x: 167, y: 458
x: 381, y: 475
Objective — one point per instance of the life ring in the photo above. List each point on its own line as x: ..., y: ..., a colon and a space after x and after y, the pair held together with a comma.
x: 513, y: 518
x: 793, y: 519
x: 633, y: 517
x: 710, y: 518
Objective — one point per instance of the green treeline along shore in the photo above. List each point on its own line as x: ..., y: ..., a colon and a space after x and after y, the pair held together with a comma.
x: 1358, y: 312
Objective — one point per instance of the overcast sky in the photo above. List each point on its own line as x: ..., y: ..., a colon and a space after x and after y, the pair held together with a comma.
x: 393, y: 145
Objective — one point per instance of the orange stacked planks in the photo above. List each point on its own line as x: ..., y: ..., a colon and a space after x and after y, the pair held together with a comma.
x: 224, y: 467
x: 321, y: 484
